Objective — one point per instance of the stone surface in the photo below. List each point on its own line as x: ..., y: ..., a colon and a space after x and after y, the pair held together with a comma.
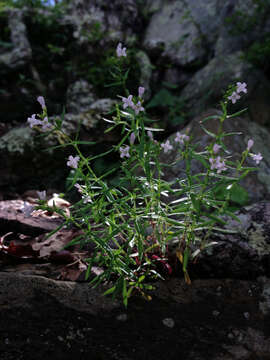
x: 256, y: 183
x: 172, y: 33
x: 13, y: 218
x: 113, y: 20
x: 21, y: 53
x: 44, y: 316
x: 207, y: 86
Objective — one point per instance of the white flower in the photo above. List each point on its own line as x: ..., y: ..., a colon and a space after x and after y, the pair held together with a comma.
x: 138, y: 107
x: 41, y: 100
x: 218, y: 164
x: 132, y: 138
x: 241, y: 87
x: 250, y: 144
x: 45, y: 124
x: 257, y: 157
x: 166, y: 146
x: 216, y: 148
x: 141, y: 91
x: 234, y: 97
x: 124, y: 151
x: 181, y: 138
x: 127, y: 101
x: 73, y: 161
x: 120, y: 51
x: 33, y: 121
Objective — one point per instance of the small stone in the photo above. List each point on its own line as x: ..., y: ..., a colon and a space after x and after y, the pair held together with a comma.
x: 215, y: 313
x: 6, y: 341
x: 121, y: 317
x: 60, y: 338
x: 246, y: 315
x: 169, y: 322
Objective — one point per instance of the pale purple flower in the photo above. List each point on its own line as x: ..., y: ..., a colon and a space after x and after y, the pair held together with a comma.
x: 234, y: 97
x: 250, y: 144
x: 166, y: 146
x: 127, y: 101
x: 257, y: 157
x: 73, y: 161
x: 41, y: 100
x: 132, y: 138
x: 181, y: 138
x: 45, y: 124
x: 120, y: 51
x: 138, y: 107
x: 33, y: 121
x: 41, y: 195
x: 124, y: 151
x: 141, y: 91
x: 218, y: 164
x: 150, y: 135
x: 241, y: 87
x: 79, y: 188
x: 216, y: 148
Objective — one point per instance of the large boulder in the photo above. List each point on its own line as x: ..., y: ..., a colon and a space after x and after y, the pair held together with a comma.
x: 256, y: 183
x: 21, y: 52
x: 172, y: 33
x: 102, y: 22
x: 207, y: 87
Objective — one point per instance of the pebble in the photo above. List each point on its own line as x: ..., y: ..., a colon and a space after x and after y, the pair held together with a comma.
x: 246, y: 315
x: 121, y: 317
x: 215, y: 313
x: 169, y: 322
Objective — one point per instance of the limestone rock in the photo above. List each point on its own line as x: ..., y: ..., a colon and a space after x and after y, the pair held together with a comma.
x: 207, y: 86
x: 172, y: 33
x: 21, y: 52
x: 256, y: 183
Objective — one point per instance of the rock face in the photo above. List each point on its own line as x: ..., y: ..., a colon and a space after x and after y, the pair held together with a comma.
x: 172, y: 33
x: 198, y: 46
x: 243, y: 254
x: 21, y: 52
x: 115, y: 20
x: 66, y: 319
x: 207, y: 86
x: 256, y: 183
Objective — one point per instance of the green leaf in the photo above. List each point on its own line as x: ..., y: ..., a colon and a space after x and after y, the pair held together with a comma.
x: 110, y: 291
x: 239, y: 195
x: 237, y: 113
x: 208, y: 132
x: 217, y: 117
x: 195, y: 202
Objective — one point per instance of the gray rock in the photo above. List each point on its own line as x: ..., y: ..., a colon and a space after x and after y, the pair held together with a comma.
x: 252, y: 23
x: 112, y: 22
x: 20, y: 290
x: 207, y: 86
x: 172, y: 33
x: 146, y: 72
x: 21, y: 52
x: 256, y: 183
x: 80, y: 96
x: 244, y: 253
x: 16, y: 140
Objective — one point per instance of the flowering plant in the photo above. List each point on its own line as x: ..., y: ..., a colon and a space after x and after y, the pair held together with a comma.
x: 133, y: 225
